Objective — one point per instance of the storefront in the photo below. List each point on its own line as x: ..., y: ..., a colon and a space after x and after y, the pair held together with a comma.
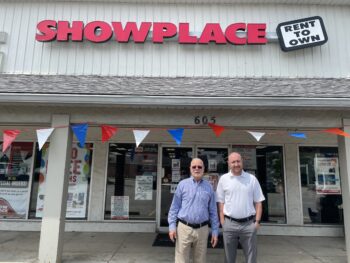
x: 187, y: 66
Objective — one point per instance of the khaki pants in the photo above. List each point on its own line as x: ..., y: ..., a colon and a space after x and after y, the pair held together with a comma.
x: 188, y: 237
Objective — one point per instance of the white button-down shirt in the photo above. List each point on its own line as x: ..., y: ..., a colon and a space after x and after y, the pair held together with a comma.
x: 238, y: 194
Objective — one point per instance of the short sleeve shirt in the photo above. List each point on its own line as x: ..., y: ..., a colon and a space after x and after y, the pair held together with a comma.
x: 238, y: 194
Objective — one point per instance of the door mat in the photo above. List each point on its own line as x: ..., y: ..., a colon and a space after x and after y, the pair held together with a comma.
x: 163, y: 240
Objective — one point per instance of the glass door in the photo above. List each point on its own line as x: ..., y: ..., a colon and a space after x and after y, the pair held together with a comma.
x: 175, y: 167
x: 215, y: 163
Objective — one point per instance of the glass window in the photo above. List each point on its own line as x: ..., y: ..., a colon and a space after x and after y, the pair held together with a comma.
x: 320, y: 184
x: 15, y: 170
x: 79, y: 182
x: 131, y: 182
x: 266, y: 163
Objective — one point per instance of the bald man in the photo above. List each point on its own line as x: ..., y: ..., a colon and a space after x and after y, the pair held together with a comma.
x: 240, y: 197
x: 193, y: 207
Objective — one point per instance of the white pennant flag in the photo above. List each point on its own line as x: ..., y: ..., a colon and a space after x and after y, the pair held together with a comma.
x: 257, y: 135
x: 140, y: 135
x: 43, y: 135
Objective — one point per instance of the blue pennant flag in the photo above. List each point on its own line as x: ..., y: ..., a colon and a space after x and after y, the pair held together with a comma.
x: 299, y: 135
x: 80, y: 131
x: 177, y: 135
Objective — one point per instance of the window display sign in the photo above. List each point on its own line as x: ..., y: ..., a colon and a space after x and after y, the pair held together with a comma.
x: 143, y: 187
x: 79, y: 174
x: 173, y: 188
x: 15, y: 167
x: 119, y: 207
x: 327, y: 175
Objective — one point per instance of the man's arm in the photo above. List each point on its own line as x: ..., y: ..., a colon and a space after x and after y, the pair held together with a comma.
x: 221, y: 213
x: 173, y: 212
x: 214, y: 220
x: 258, y: 209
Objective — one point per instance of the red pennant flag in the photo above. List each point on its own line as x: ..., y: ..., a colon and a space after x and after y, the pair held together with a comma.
x: 9, y: 136
x: 337, y: 132
x: 107, y: 132
x: 216, y: 128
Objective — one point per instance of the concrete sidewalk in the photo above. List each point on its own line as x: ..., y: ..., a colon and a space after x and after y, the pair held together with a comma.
x: 137, y: 248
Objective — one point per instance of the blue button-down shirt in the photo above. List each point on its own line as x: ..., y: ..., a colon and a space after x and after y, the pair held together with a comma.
x: 194, y: 202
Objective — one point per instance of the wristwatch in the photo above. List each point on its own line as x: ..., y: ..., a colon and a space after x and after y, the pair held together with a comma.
x: 257, y: 221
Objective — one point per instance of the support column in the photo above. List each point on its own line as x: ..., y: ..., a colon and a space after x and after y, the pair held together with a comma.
x: 56, y: 187
x: 344, y: 164
x: 293, y: 186
x: 98, y: 181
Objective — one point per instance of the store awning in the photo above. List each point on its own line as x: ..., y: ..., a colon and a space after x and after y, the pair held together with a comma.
x: 160, y: 91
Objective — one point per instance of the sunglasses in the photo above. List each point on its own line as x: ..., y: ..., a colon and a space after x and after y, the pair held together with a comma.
x: 196, y: 167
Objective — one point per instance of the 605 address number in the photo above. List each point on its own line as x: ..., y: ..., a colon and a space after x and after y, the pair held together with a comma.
x: 204, y: 119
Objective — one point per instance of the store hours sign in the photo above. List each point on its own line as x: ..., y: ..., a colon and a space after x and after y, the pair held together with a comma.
x: 301, y: 33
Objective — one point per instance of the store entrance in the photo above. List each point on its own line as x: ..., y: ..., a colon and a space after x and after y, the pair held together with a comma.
x: 175, y: 167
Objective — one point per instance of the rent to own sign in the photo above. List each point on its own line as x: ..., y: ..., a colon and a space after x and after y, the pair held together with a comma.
x: 301, y: 33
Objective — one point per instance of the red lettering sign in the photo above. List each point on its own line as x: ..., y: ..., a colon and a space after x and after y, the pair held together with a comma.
x: 99, y: 32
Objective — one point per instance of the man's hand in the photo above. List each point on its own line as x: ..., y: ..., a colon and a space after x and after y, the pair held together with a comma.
x: 222, y: 221
x: 214, y: 241
x: 172, y: 235
x: 257, y: 225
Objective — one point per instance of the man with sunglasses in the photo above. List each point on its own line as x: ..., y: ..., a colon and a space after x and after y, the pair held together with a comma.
x: 240, y: 208
x: 192, y: 209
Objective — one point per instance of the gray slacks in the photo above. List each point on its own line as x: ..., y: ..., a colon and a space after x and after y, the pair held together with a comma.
x: 246, y: 234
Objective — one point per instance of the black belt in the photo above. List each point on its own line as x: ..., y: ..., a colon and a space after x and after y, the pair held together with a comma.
x: 240, y: 220
x: 195, y: 226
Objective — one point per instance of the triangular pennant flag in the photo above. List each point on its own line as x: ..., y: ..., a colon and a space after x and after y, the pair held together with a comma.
x: 140, y: 135
x: 43, y: 135
x: 216, y: 128
x: 107, y: 132
x: 299, y: 135
x: 257, y: 135
x: 177, y: 135
x: 80, y: 131
x: 337, y: 132
x: 8, y: 137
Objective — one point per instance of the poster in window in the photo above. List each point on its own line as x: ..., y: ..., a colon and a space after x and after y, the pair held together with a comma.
x: 327, y: 175
x: 175, y: 176
x: 119, y: 207
x: 173, y: 188
x: 143, y: 187
x: 79, y: 174
x: 175, y: 164
x: 212, y: 165
x: 15, y: 169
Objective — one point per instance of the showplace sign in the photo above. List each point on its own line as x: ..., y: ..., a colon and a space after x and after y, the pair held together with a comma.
x: 99, y: 32
x: 292, y: 35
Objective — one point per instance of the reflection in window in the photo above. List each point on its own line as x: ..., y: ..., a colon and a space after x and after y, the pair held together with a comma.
x: 266, y: 163
x: 15, y: 170
x: 79, y: 182
x: 320, y: 182
x: 131, y: 182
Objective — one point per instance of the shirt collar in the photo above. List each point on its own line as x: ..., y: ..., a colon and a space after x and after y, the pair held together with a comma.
x: 243, y: 174
x: 195, y: 181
